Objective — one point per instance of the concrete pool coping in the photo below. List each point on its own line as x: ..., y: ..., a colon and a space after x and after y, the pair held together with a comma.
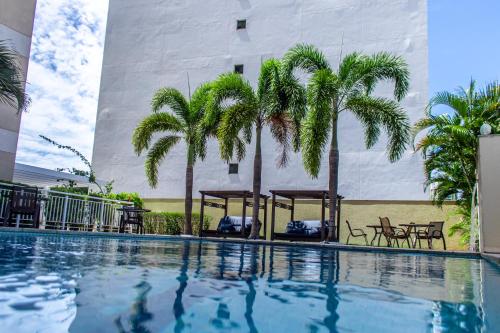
x: 359, y: 248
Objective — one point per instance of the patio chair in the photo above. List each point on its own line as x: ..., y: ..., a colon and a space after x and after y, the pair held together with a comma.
x: 25, y: 202
x: 393, y: 233
x: 356, y: 232
x: 433, y: 231
x: 133, y: 216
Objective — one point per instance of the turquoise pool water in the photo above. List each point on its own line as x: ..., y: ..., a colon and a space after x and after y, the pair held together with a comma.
x: 52, y: 283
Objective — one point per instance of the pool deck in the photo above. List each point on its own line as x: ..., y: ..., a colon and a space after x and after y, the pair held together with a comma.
x: 490, y: 257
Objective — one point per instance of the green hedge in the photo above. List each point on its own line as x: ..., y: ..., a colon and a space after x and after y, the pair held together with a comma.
x: 168, y: 223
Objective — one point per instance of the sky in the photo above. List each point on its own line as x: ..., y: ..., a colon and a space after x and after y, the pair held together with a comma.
x: 66, y: 56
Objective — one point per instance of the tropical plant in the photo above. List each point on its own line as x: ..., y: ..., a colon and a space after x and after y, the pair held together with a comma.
x: 90, y: 174
x: 450, y: 144
x: 350, y: 88
x: 172, y: 223
x: 235, y: 109
x: 179, y: 125
x: 11, y: 79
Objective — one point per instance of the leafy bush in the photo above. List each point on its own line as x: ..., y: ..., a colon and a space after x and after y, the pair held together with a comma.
x: 68, y: 189
x: 171, y: 223
x: 127, y: 196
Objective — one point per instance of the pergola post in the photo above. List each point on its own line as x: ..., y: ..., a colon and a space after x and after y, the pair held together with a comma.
x: 265, y: 218
x: 202, y: 213
x: 226, y: 201
x: 339, y: 199
x: 323, y: 202
x: 273, y: 215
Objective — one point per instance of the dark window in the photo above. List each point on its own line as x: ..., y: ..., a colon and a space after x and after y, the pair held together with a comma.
x: 241, y: 24
x: 238, y: 69
x: 233, y: 168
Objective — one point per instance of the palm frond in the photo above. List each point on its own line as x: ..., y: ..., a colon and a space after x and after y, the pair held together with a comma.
x: 305, y: 57
x: 198, y: 103
x: 156, y: 154
x: 12, y: 90
x: 386, y: 66
x: 156, y: 122
x: 374, y: 111
x: 318, y: 121
x: 172, y: 98
x: 235, y: 118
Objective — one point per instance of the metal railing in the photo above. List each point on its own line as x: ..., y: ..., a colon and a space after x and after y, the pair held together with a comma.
x: 69, y: 211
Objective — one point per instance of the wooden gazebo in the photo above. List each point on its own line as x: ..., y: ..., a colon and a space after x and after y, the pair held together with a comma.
x: 247, y: 201
x: 292, y: 195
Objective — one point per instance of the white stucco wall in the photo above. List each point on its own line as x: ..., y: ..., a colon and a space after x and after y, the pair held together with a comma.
x: 16, y: 26
x: 153, y: 43
x: 489, y: 193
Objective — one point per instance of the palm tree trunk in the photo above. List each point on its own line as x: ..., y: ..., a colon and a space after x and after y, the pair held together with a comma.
x: 188, y: 203
x: 333, y: 176
x: 257, y: 175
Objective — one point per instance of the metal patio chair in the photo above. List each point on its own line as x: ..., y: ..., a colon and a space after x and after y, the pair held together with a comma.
x: 356, y: 232
x: 433, y: 231
x: 23, y: 201
x: 133, y: 216
x: 393, y: 233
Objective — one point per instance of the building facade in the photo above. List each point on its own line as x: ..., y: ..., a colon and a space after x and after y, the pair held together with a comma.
x: 153, y: 43
x: 16, y: 28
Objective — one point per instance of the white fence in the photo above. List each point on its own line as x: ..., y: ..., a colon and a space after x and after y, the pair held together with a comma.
x: 68, y: 211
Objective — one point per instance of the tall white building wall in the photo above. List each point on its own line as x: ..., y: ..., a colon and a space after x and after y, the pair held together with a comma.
x: 156, y: 43
x: 16, y: 27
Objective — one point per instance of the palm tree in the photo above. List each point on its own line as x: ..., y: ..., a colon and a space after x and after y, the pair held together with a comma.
x: 235, y: 108
x: 350, y: 88
x: 182, y: 124
x: 450, y: 145
x: 11, y: 80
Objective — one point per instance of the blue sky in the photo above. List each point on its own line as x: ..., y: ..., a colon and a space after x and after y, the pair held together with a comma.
x: 66, y: 56
x: 464, y: 42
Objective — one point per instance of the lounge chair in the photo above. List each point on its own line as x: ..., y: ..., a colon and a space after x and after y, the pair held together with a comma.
x: 356, y: 232
x: 23, y: 202
x: 310, y: 228
x: 233, y: 224
x: 393, y: 233
x: 433, y: 231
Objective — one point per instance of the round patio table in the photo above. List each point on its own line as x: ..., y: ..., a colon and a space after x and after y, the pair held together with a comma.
x: 412, y: 228
x: 377, y: 228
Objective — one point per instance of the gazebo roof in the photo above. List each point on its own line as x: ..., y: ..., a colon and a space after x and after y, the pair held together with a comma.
x: 231, y: 194
x: 303, y: 194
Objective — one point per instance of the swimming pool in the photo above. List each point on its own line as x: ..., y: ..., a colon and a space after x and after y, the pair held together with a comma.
x: 52, y: 283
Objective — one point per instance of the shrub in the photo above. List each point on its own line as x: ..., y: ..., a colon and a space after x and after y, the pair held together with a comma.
x: 171, y: 223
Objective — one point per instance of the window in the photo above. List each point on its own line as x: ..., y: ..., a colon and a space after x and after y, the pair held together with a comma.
x: 238, y: 69
x: 241, y: 24
x: 233, y: 168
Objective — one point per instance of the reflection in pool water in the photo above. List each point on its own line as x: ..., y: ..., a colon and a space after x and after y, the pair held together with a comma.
x: 85, y: 284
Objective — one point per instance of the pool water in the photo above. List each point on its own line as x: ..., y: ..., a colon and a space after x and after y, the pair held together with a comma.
x: 51, y: 283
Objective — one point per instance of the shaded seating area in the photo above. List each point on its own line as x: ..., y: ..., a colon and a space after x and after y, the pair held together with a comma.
x: 22, y: 208
x: 303, y: 230
x: 410, y: 232
x: 232, y: 226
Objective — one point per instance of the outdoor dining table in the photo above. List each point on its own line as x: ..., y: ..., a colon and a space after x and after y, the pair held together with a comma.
x: 377, y: 228
x: 412, y: 228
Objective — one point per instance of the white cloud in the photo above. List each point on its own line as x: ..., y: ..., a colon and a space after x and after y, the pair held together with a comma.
x: 63, y: 76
